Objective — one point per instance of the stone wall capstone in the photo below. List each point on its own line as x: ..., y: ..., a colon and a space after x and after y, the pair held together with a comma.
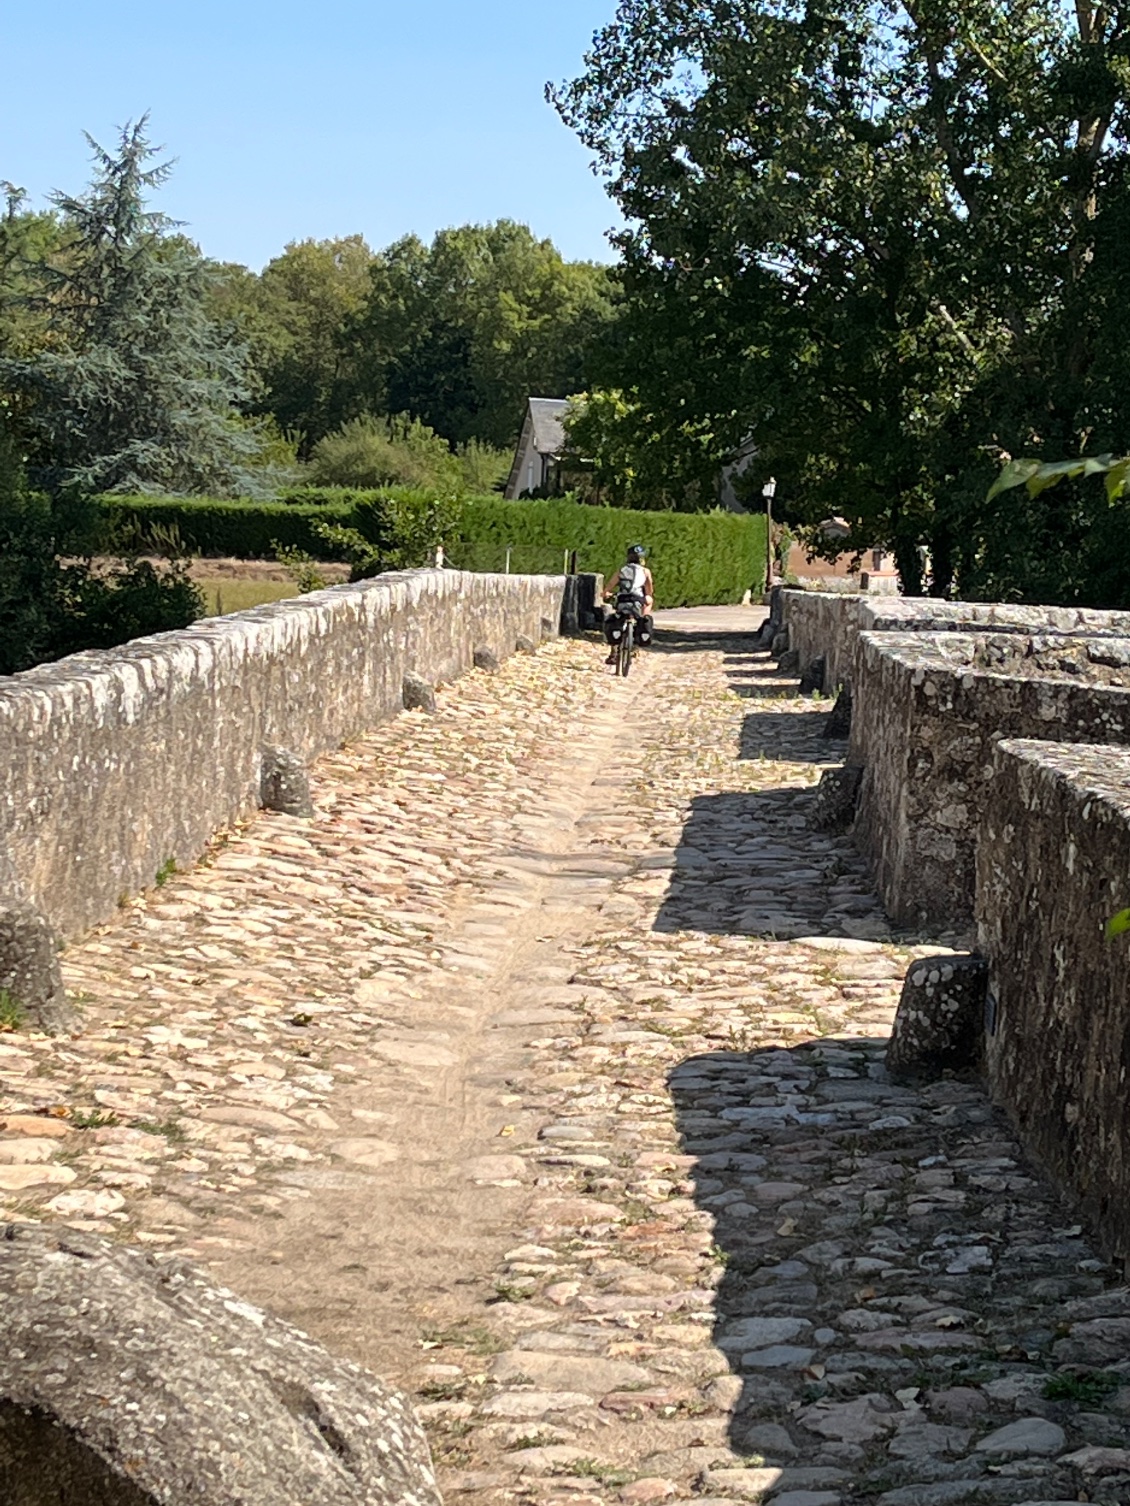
x: 829, y: 624
x: 1053, y: 865
x: 127, y: 1382
x: 114, y: 762
x: 929, y: 710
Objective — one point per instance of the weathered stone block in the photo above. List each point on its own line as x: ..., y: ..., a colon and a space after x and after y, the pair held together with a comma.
x: 839, y: 718
x: 789, y: 662
x: 1053, y: 866
x: 940, y: 1020
x: 780, y: 644
x: 579, y: 603
x: 928, y: 712
x: 29, y: 967
x: 487, y: 659
x: 830, y: 623
x: 284, y: 783
x: 127, y: 1383
x: 524, y: 645
x: 835, y: 799
x: 418, y: 694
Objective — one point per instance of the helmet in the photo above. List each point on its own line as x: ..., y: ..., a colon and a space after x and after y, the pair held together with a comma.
x: 636, y: 552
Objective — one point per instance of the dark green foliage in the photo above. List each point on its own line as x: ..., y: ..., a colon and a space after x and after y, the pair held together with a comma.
x: 460, y: 333
x: 395, y: 529
x: 27, y: 240
x: 697, y: 558
x: 240, y: 529
x: 887, y: 244
x: 456, y: 334
x: 53, y: 601
x: 133, y: 385
x: 325, y: 496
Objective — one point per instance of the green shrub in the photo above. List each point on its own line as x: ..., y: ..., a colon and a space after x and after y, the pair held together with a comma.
x: 484, y: 468
x: 398, y: 451
x: 394, y: 530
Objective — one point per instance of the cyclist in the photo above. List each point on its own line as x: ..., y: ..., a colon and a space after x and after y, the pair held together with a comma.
x: 634, y: 590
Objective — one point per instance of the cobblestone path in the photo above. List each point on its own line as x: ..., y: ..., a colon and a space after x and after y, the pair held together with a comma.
x: 543, y: 1073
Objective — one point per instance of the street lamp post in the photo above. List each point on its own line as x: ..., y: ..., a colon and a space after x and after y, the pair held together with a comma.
x: 768, y: 491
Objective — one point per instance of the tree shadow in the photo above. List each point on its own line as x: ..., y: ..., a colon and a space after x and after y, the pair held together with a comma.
x: 747, y: 864
x: 845, y: 1249
x: 794, y: 736
x: 686, y: 641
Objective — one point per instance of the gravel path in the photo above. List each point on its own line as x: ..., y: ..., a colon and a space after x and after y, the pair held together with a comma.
x: 543, y: 1073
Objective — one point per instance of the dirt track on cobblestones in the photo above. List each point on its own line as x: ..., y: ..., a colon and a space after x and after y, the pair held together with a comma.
x: 542, y: 1072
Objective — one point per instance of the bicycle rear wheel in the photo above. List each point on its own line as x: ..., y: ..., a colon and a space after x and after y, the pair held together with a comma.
x: 626, y: 645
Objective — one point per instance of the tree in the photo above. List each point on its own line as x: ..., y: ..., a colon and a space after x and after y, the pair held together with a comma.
x: 297, y: 313
x: 882, y: 240
x: 460, y: 333
x: 27, y: 239
x: 631, y: 460
x: 133, y: 387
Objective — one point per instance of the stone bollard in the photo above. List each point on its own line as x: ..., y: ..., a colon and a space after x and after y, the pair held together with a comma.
x: 789, y: 662
x: 417, y: 694
x: 835, y: 799
x: 486, y: 658
x: 812, y: 677
x: 284, y: 784
x: 940, y: 1021
x: 178, y: 1394
x: 839, y: 718
x: 29, y: 969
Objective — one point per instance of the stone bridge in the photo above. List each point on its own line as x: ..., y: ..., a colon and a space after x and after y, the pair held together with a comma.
x: 541, y: 1073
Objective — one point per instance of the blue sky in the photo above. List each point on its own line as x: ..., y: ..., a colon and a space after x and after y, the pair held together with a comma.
x: 291, y: 120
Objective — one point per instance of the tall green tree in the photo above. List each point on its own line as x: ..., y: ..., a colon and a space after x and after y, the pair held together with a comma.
x: 297, y: 313
x: 459, y: 333
x: 882, y: 240
x: 134, y: 387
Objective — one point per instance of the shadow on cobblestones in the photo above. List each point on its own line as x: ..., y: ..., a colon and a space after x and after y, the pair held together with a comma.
x: 764, y: 732
x: 893, y: 1278
x: 747, y: 865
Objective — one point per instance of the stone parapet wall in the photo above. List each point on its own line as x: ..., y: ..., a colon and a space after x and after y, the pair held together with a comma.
x: 116, y: 762
x: 822, y: 624
x: 1053, y: 865
x: 928, y: 711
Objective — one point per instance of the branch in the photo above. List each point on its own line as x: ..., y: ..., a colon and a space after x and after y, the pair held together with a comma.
x: 959, y: 170
x: 959, y: 334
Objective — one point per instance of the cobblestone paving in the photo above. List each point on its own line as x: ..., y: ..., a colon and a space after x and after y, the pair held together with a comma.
x: 543, y: 1072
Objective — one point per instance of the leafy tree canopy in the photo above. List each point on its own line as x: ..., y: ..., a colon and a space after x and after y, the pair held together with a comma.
x: 460, y: 333
x: 887, y: 242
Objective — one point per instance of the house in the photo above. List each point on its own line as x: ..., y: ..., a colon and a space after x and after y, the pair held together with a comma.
x: 542, y: 441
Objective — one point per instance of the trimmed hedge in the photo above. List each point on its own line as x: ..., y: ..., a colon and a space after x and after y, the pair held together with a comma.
x: 697, y: 558
x: 239, y: 530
